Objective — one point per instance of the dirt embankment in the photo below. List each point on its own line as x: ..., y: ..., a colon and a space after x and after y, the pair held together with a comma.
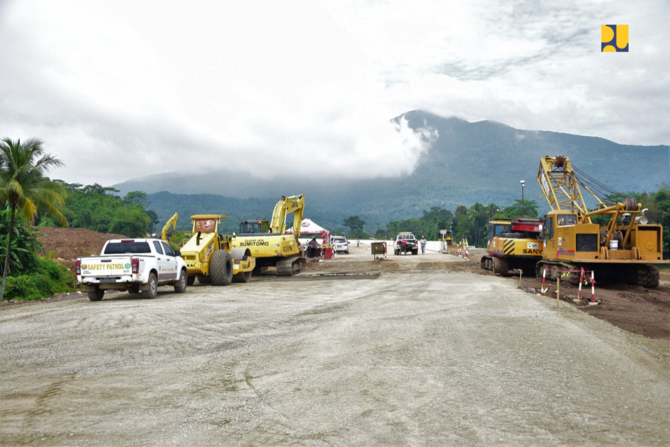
x: 71, y: 243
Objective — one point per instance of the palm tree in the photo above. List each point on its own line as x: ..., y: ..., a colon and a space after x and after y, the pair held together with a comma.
x: 23, y: 186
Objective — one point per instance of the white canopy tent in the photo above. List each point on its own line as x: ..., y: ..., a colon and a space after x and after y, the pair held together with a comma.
x: 312, y: 229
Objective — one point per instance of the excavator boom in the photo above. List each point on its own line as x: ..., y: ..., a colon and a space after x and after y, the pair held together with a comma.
x: 166, y: 234
x: 286, y: 206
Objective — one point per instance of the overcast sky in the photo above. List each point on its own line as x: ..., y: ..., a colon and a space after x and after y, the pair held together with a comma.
x: 121, y: 89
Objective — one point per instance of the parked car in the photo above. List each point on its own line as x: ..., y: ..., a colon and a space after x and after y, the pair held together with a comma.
x: 412, y: 244
x: 340, y: 244
x: 135, y: 265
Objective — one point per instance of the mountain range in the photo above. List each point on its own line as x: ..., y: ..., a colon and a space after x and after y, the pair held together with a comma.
x: 467, y: 163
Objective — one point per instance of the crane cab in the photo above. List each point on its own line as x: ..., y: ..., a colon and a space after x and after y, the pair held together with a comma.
x: 565, y: 240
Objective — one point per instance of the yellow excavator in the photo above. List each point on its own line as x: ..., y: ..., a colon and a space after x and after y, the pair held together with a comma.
x: 268, y: 243
x: 209, y: 255
x: 624, y: 249
x: 513, y: 245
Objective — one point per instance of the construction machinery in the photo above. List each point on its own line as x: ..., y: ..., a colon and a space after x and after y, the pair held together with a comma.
x: 513, y: 245
x: 268, y: 243
x: 624, y: 249
x: 209, y: 255
x: 446, y: 240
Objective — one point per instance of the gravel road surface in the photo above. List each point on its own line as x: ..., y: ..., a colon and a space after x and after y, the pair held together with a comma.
x: 406, y: 358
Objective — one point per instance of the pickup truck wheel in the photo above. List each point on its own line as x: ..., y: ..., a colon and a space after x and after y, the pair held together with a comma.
x: 134, y: 289
x: 152, y: 291
x: 180, y: 285
x: 221, y: 268
x: 96, y: 295
x: 190, y: 280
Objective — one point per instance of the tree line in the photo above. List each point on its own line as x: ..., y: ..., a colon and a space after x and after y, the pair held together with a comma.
x: 99, y: 208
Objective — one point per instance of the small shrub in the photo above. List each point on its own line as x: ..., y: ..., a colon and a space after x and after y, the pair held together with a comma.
x: 18, y: 288
x: 48, y: 279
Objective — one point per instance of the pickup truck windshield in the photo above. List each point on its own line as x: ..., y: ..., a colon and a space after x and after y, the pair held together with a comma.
x: 117, y: 248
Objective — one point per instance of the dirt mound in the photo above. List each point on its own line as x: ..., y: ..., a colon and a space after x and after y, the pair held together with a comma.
x: 71, y: 243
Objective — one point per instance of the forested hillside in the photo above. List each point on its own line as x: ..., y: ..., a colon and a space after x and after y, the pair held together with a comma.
x: 468, y: 163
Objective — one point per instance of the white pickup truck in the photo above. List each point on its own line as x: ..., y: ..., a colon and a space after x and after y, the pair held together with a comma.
x: 135, y: 265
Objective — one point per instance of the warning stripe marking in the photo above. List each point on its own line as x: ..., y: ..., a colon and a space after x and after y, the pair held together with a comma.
x: 508, y: 246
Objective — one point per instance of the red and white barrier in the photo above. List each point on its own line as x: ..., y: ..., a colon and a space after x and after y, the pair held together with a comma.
x: 582, y: 273
x: 581, y: 281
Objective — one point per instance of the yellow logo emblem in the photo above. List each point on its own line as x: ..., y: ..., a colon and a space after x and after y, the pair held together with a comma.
x: 614, y: 38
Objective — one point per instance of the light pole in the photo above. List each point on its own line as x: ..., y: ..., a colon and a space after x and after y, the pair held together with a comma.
x: 523, y: 183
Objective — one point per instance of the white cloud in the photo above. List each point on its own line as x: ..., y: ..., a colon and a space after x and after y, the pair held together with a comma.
x: 124, y: 89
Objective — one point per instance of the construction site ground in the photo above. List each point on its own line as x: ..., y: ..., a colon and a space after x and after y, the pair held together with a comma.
x: 410, y: 350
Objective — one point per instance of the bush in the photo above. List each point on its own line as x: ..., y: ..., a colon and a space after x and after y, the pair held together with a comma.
x: 49, y: 278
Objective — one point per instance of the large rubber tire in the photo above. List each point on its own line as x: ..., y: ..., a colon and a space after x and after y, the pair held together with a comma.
x: 190, y: 280
x: 415, y: 252
x: 96, y: 295
x: 202, y: 279
x: 134, y: 289
x: 152, y: 291
x: 221, y: 268
x: 242, y: 277
x: 180, y: 285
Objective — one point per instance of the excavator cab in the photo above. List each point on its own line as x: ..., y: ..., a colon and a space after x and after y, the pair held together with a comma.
x: 498, y: 227
x: 254, y: 227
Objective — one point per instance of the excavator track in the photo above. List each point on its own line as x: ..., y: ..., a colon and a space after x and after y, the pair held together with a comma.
x: 291, y: 265
x: 500, y: 267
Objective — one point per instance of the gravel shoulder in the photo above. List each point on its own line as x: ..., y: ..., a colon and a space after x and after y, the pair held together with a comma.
x: 414, y: 355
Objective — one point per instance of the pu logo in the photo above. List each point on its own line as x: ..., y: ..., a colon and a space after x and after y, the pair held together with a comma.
x: 614, y: 38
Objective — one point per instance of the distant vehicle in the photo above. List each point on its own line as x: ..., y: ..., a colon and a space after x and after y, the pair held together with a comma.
x: 135, y: 265
x: 412, y: 244
x: 340, y: 244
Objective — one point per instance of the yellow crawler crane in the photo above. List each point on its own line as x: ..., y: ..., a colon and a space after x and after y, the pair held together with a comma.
x: 513, y: 245
x: 267, y: 241
x: 623, y: 251
x: 209, y: 255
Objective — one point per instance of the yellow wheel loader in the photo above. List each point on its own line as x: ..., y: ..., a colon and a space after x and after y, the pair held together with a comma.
x: 268, y: 243
x: 209, y: 255
x: 513, y: 246
x: 622, y: 249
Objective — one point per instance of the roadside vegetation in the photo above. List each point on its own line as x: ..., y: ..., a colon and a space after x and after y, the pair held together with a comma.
x: 25, y: 189
x: 32, y: 273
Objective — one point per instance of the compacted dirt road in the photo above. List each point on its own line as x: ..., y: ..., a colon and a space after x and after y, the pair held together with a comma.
x: 418, y: 354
